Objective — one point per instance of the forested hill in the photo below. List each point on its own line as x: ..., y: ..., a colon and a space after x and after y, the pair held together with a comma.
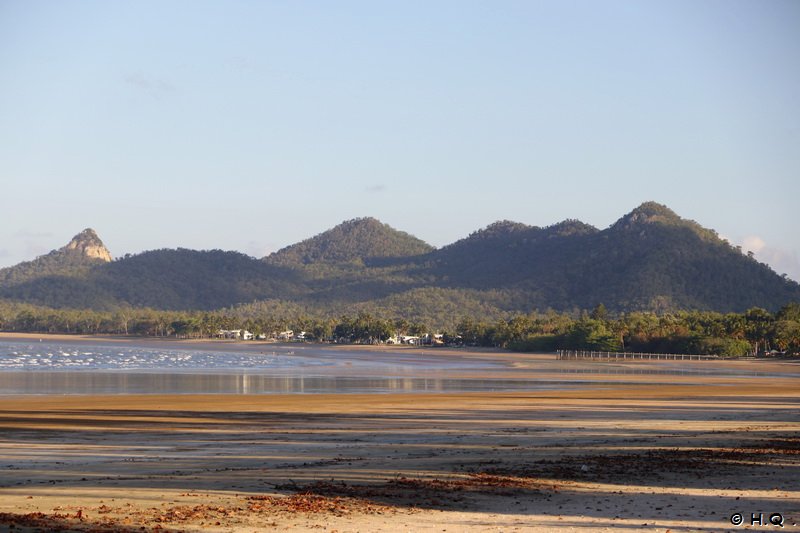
x: 161, y: 279
x: 650, y: 259
x: 357, y: 240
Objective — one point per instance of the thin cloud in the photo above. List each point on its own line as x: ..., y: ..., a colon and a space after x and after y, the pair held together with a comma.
x: 753, y: 243
x: 259, y: 249
x: 28, y: 234
x: 378, y: 188
x: 240, y: 63
x: 32, y: 243
x: 782, y: 261
x: 33, y: 250
x: 155, y: 87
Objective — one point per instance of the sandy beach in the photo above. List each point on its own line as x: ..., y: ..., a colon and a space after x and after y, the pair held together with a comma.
x: 634, y: 451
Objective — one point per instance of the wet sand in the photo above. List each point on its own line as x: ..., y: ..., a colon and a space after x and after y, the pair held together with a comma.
x: 640, y: 452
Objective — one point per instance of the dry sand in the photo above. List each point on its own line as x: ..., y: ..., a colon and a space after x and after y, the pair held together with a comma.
x: 642, y: 455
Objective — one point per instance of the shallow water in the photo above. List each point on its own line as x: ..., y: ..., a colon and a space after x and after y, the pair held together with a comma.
x: 282, y: 359
x: 91, y: 368
x: 187, y: 383
x: 93, y: 357
x: 86, y: 367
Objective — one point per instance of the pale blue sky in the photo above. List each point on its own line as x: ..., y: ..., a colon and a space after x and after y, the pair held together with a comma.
x: 252, y: 125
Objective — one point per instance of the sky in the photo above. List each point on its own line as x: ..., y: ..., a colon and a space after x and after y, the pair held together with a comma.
x: 251, y: 125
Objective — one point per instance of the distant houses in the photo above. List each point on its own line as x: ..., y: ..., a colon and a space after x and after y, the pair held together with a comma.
x: 235, y: 334
x: 290, y: 336
x: 243, y: 334
x: 418, y: 340
x: 404, y: 339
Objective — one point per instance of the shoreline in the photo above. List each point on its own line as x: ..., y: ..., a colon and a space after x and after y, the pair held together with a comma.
x: 384, y: 369
x: 241, y: 344
x: 255, y: 345
x: 465, y: 351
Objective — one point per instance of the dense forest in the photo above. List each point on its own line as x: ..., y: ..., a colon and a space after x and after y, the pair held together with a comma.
x: 756, y: 331
x: 649, y: 260
x: 357, y: 240
x: 661, y: 277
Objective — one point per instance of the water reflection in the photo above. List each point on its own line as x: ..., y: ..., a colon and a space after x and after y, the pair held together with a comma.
x: 185, y: 383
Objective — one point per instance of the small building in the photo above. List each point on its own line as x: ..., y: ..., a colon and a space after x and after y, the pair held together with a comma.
x: 235, y: 334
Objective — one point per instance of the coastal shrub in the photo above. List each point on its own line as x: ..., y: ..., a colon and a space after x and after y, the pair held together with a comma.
x: 590, y: 334
x: 723, y: 347
x: 680, y: 344
x: 536, y: 343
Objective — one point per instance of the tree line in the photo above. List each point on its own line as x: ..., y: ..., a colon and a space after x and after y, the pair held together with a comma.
x: 755, y: 331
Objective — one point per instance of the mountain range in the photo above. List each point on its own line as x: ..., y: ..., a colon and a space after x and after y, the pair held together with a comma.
x: 650, y: 259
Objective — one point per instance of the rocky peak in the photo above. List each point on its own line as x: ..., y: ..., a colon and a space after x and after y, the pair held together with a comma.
x: 651, y: 214
x: 353, y: 240
x: 568, y: 228
x: 89, y: 244
x: 501, y: 229
x: 648, y: 213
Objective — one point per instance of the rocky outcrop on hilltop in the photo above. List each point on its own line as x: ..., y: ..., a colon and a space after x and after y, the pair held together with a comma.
x: 89, y: 244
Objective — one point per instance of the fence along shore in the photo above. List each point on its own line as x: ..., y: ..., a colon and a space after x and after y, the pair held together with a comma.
x: 609, y: 356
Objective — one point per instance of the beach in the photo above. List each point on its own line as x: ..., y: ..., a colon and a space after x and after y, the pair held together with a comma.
x: 634, y: 446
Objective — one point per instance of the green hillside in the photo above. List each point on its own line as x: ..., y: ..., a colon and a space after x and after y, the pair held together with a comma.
x: 649, y: 260
x: 356, y: 240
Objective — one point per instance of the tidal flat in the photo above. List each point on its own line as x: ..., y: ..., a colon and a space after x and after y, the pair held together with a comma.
x: 644, y: 446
